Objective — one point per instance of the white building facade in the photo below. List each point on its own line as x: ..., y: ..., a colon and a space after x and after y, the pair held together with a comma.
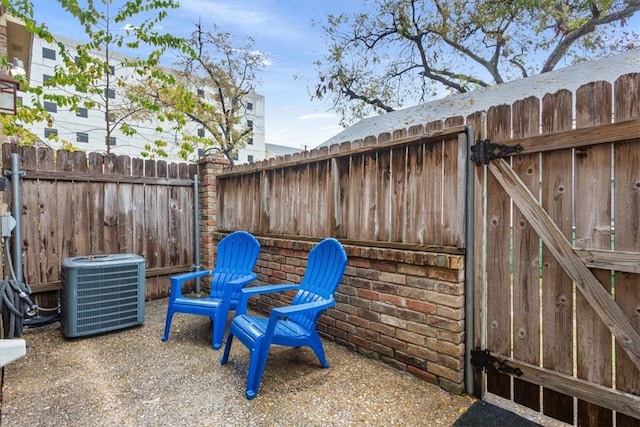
x: 86, y: 128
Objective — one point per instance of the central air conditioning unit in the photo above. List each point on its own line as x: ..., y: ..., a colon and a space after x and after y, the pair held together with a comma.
x: 102, y: 293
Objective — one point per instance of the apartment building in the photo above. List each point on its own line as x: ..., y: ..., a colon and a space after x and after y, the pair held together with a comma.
x: 86, y: 128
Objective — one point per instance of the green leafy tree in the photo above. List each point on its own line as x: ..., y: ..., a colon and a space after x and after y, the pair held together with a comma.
x: 88, y: 79
x: 412, y: 50
x: 210, y: 92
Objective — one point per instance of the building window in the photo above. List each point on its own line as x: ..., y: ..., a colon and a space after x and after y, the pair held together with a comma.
x: 77, y: 60
x: 234, y: 156
x: 18, y: 101
x: 201, y: 132
x: 48, y: 132
x: 111, y: 141
x: 250, y: 142
x: 51, y: 107
x: 46, y: 78
x: 249, y: 158
x: 48, y: 53
x: 111, y: 93
x: 249, y: 105
x: 110, y: 117
x: 250, y: 124
x: 200, y: 93
x: 82, y: 112
x: 112, y: 70
x: 82, y: 137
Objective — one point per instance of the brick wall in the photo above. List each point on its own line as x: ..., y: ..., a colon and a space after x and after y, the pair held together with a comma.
x: 208, y: 168
x: 403, y: 307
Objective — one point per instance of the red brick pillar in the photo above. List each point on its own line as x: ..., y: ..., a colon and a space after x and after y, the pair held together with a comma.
x: 208, y: 168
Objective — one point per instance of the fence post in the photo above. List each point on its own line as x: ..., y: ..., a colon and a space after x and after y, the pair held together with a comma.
x: 208, y: 169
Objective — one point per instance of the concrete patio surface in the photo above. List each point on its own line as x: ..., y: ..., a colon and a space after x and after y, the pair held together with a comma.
x: 130, y: 378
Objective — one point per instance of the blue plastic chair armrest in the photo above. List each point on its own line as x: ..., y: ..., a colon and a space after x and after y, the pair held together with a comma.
x: 191, y: 275
x: 243, y: 280
x: 280, y: 312
x: 247, y: 293
x: 232, y: 286
x: 177, y: 281
x: 268, y: 288
x: 308, y: 307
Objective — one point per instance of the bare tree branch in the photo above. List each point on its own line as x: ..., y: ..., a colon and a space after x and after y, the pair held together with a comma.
x: 570, y: 38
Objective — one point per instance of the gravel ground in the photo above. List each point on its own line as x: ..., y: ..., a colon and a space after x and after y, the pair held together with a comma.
x: 131, y: 378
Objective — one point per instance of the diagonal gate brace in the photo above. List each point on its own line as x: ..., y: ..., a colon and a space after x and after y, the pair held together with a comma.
x: 602, y: 302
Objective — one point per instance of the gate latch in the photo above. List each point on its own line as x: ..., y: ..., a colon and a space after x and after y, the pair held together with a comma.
x: 484, y: 361
x: 484, y: 151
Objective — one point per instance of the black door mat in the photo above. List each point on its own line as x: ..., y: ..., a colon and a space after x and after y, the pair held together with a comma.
x: 483, y: 414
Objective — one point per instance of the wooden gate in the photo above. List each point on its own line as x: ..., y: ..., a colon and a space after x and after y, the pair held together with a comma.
x: 558, y: 268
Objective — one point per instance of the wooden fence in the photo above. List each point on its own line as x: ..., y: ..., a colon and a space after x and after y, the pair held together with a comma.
x: 409, y: 191
x: 74, y: 204
x: 397, y: 203
x: 557, y: 245
x: 558, y: 285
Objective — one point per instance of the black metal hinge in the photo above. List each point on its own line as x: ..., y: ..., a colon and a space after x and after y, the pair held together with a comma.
x: 484, y: 361
x: 484, y: 151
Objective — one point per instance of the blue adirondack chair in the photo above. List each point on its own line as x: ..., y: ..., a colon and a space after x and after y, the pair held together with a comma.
x: 293, y: 325
x: 237, y: 255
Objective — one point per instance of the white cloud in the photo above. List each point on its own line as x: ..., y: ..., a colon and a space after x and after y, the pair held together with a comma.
x: 256, y: 18
x: 317, y: 116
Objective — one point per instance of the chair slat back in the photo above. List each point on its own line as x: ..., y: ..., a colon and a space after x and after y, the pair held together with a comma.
x: 236, y: 257
x: 325, y: 267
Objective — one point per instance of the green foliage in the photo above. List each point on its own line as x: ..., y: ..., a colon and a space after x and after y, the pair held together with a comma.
x: 414, y: 50
x: 92, y: 75
x: 209, y: 91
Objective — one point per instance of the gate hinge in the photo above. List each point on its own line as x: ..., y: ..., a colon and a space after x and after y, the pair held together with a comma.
x: 484, y: 151
x: 484, y: 361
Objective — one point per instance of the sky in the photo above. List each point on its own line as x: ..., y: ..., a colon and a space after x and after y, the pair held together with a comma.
x: 282, y: 29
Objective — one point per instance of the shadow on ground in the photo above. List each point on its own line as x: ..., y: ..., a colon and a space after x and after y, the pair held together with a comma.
x: 131, y: 378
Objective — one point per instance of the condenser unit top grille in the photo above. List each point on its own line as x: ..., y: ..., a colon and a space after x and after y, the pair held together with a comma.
x: 95, y: 260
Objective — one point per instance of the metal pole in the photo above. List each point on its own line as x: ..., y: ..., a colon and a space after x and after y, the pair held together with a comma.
x: 196, y: 228
x: 468, y: 263
x: 16, y: 210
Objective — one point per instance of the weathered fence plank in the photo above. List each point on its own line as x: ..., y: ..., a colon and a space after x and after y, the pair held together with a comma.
x: 454, y: 187
x: 31, y: 197
x: 370, y: 177
x: 125, y: 213
x: 557, y: 295
x: 593, y: 230
x: 526, y: 269
x: 498, y: 277
x: 432, y: 185
x: 627, y: 230
x: 398, y: 194
x: 96, y: 206
x: 383, y: 199
x: 140, y: 239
